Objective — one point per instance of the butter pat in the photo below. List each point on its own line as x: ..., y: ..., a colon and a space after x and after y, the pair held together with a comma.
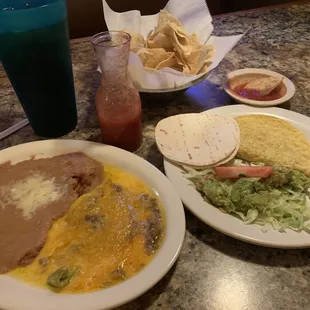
x: 264, y: 85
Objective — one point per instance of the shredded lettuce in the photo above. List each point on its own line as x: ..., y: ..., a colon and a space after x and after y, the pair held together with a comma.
x: 281, y: 201
x: 191, y: 172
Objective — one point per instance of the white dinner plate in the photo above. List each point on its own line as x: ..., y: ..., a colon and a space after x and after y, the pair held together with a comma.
x: 228, y: 224
x: 16, y: 295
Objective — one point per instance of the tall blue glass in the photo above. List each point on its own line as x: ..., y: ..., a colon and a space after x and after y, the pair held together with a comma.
x: 35, y: 53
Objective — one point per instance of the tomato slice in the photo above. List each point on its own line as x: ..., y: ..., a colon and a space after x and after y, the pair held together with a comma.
x: 244, y: 171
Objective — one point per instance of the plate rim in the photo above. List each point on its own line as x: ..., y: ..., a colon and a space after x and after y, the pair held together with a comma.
x: 236, y: 110
x: 129, y: 289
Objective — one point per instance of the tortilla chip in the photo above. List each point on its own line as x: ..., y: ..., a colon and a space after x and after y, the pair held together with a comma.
x: 169, y: 62
x: 172, y: 29
x: 146, y: 53
x: 208, y: 61
x: 163, y: 18
x: 205, y: 67
x: 143, y: 50
x: 169, y: 45
x: 160, y: 40
x: 210, y: 51
x: 194, y: 40
x: 264, y: 85
x: 137, y: 41
x: 181, y: 64
x: 195, y: 60
x: 180, y: 39
x: 186, y: 69
x: 152, y: 57
x: 198, y: 58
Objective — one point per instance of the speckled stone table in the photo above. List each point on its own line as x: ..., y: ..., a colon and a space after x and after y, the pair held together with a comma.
x: 213, y: 271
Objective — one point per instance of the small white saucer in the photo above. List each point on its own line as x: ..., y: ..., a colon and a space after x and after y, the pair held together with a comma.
x: 290, y: 88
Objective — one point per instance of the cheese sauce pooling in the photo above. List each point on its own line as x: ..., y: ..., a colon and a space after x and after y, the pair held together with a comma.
x: 107, y: 236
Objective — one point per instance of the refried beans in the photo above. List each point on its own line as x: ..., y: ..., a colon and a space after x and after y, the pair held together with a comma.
x: 33, y: 194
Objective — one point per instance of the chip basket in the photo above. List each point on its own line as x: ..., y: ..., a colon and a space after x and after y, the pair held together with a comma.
x: 168, y: 94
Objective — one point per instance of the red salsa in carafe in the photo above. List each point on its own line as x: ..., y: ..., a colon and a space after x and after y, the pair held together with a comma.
x: 120, y: 122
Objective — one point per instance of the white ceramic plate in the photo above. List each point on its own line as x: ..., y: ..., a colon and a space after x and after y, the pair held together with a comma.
x: 228, y: 224
x: 288, y: 84
x: 16, y: 295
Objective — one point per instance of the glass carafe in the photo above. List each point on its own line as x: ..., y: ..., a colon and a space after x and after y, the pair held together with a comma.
x: 118, y: 103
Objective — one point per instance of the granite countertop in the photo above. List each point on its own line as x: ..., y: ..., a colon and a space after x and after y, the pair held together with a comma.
x: 213, y: 271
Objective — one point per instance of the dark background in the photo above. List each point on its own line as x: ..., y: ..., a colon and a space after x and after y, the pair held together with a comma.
x: 86, y: 16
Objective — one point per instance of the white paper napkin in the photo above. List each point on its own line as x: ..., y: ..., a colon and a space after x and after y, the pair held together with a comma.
x: 195, y: 17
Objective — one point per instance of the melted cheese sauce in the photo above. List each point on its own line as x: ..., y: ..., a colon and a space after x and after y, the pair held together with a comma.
x: 107, y: 236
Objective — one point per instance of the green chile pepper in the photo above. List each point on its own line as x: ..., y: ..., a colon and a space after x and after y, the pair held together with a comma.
x: 60, y: 278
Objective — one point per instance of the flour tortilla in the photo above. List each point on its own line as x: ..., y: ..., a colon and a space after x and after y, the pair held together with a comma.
x: 221, y: 162
x: 198, y: 140
x: 272, y: 140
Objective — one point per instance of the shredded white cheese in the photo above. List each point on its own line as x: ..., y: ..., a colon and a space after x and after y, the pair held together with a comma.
x: 31, y: 193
